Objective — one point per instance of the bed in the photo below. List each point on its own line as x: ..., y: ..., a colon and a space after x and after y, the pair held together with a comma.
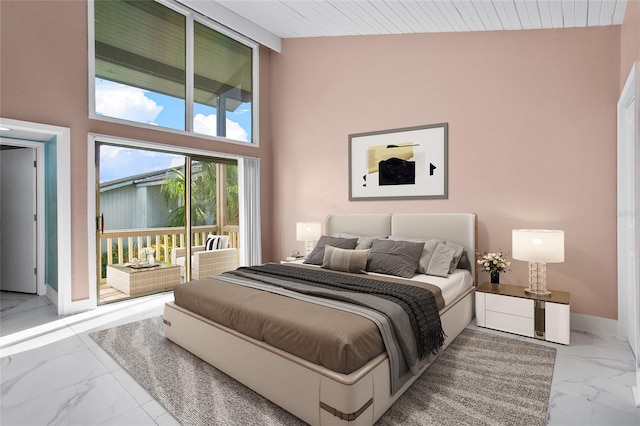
x: 317, y: 394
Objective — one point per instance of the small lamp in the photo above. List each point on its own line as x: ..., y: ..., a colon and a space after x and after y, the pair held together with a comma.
x: 309, y: 232
x: 539, y: 247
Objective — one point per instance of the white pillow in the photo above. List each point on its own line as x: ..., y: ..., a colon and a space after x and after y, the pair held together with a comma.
x: 215, y: 242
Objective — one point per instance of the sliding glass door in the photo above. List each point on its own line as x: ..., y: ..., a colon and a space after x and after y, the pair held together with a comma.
x: 214, y: 197
x: 143, y: 219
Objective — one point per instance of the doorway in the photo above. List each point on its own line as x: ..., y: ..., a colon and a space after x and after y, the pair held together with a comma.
x: 21, y: 207
x: 143, y: 219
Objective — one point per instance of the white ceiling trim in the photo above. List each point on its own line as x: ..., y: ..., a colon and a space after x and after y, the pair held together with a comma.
x: 236, y: 22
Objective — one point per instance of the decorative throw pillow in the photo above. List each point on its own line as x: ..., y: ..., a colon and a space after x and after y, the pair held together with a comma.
x: 364, y: 242
x: 445, y: 259
x: 441, y: 260
x: 427, y: 251
x: 457, y: 256
x: 399, y: 258
x: 344, y: 260
x: 215, y: 242
x: 464, y: 262
x: 317, y: 255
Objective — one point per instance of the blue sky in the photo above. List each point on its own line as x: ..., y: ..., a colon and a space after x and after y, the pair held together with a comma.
x: 143, y: 106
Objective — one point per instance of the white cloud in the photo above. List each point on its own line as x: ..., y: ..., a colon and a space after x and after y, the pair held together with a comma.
x: 236, y: 132
x: 119, y: 162
x: 129, y: 103
x: 176, y: 162
x: 207, y: 125
x: 110, y: 152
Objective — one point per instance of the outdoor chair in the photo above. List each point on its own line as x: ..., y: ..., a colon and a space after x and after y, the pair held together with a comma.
x: 207, y: 262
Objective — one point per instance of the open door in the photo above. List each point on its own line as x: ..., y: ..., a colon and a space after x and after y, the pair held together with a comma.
x: 629, y: 221
x: 18, y: 258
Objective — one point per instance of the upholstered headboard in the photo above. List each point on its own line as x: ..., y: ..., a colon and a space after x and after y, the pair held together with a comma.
x: 459, y: 228
x: 359, y: 224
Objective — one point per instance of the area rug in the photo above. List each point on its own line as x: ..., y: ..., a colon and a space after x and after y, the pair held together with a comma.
x: 480, y: 379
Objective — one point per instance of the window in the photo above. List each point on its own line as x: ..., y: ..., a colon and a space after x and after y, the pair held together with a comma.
x: 222, y: 80
x: 142, y: 71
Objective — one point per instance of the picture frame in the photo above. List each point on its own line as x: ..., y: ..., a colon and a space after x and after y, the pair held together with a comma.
x: 405, y: 163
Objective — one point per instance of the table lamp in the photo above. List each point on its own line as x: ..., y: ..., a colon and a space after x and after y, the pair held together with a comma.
x: 539, y: 247
x: 309, y: 232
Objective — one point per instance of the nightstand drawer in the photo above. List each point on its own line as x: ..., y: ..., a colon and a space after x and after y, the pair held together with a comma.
x: 509, y: 305
x: 510, y: 323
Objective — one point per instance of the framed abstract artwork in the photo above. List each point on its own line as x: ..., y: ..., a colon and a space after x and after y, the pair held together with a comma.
x: 403, y: 163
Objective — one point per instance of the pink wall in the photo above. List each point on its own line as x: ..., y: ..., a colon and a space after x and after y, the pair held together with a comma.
x: 629, y: 40
x: 532, y: 136
x: 44, y: 79
x: 512, y: 99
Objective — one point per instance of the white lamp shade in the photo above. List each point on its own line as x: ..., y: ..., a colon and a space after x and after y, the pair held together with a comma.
x: 308, y: 231
x: 538, y: 245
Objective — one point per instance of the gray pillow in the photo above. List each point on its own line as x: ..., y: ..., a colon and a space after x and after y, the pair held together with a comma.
x: 464, y: 262
x: 364, y: 242
x: 344, y: 260
x: 399, y: 258
x: 457, y: 256
x: 441, y: 260
x: 445, y: 259
x: 427, y: 251
x: 317, y: 255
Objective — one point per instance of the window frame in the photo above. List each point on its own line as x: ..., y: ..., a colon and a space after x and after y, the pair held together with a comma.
x: 191, y: 17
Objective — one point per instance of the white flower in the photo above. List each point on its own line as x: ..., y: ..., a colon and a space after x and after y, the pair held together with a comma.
x: 145, y: 252
x: 493, y: 262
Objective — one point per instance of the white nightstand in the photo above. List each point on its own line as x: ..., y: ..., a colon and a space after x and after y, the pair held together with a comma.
x: 508, y: 308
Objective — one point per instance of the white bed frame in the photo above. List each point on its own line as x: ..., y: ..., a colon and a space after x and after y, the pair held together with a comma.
x: 309, y: 391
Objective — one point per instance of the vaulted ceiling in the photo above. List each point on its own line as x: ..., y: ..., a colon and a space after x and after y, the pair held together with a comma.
x: 296, y: 18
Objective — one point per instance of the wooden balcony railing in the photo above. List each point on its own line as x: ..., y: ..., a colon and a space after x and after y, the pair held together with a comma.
x: 120, y: 246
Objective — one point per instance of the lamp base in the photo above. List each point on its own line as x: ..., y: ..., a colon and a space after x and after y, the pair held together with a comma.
x: 309, y: 246
x: 537, y: 279
x: 543, y: 292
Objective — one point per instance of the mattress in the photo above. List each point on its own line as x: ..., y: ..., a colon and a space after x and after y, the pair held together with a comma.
x: 451, y: 286
x: 456, y: 283
x: 340, y: 341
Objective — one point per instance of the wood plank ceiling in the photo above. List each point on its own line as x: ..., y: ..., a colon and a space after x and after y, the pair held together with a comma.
x: 296, y: 18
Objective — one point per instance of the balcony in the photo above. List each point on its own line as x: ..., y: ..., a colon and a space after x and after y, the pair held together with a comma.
x: 122, y: 246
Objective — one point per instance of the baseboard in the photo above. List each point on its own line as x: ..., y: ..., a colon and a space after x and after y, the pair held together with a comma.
x: 51, y: 295
x: 594, y: 325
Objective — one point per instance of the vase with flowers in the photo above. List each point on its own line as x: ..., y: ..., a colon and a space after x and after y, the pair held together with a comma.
x: 494, y: 263
x: 146, y: 254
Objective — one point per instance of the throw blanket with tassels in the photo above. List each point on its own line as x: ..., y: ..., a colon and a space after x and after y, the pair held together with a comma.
x: 418, y: 303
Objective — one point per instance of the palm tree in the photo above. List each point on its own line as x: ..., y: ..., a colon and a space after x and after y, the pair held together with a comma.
x: 204, y: 198
x: 232, y: 195
x: 173, y: 191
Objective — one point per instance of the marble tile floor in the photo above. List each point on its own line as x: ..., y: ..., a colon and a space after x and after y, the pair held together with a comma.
x: 52, y: 372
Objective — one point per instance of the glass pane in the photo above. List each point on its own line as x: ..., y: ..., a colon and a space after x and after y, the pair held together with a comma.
x: 232, y: 210
x: 141, y: 200
x: 140, y: 62
x: 203, y: 193
x: 223, y: 85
